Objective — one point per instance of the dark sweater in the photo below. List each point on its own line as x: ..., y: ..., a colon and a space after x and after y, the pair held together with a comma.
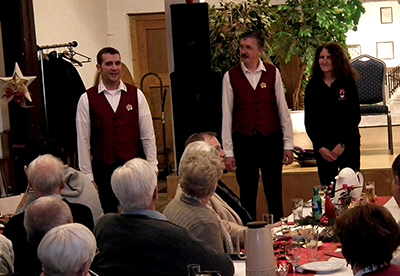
x: 25, y: 253
x: 139, y: 245
x: 332, y: 114
x: 233, y: 201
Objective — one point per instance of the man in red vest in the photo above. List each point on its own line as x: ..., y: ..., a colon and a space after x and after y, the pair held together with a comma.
x: 114, y: 125
x: 256, y: 128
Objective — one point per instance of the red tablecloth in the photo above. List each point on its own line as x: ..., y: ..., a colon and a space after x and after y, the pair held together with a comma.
x: 382, y: 200
x: 327, y: 250
x: 324, y: 254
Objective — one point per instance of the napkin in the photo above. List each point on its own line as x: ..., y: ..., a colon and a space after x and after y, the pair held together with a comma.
x: 335, y: 254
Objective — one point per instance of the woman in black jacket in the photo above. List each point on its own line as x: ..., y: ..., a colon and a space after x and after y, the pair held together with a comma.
x: 332, y: 112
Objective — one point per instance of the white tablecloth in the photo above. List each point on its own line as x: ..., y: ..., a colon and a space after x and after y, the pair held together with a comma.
x: 240, y: 266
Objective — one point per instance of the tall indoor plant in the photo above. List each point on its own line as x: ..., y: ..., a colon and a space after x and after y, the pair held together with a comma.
x: 293, y: 32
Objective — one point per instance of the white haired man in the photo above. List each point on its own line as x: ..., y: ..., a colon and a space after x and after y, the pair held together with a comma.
x: 140, y: 241
x: 42, y: 215
x: 46, y: 178
x: 67, y: 250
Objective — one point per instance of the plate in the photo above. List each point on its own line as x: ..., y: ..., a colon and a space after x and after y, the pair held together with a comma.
x: 323, y: 266
x: 296, y: 231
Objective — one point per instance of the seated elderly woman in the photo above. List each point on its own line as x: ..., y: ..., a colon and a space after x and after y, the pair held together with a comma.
x: 67, y: 250
x: 369, y: 235
x: 199, y: 171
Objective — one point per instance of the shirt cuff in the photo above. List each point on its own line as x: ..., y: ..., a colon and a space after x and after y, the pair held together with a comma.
x: 288, y: 145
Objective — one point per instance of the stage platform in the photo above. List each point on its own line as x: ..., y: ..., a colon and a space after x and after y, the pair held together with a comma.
x: 376, y: 162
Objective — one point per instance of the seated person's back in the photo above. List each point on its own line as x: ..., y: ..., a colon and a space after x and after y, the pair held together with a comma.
x: 28, y: 228
x: 199, y: 171
x: 78, y: 187
x: 140, y: 241
x: 46, y: 178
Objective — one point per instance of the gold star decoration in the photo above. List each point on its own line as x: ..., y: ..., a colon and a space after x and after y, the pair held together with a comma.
x: 16, y: 87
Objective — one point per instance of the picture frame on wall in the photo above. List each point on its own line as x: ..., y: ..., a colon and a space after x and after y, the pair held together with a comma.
x: 354, y: 50
x: 386, y: 15
x: 385, y: 50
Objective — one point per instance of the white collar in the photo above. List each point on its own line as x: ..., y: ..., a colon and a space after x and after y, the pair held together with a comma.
x: 260, y: 67
x: 369, y: 269
x: 102, y: 87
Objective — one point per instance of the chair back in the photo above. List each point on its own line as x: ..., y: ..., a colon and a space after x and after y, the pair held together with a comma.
x: 371, y: 86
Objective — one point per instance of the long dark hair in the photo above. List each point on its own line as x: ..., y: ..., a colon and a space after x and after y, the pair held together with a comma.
x: 342, y: 67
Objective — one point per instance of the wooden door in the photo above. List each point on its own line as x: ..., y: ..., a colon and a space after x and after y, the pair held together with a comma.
x: 149, y: 52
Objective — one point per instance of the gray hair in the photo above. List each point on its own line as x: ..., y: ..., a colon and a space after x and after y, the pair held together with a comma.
x: 44, y: 214
x: 134, y: 184
x: 199, y: 169
x: 66, y: 249
x: 46, y: 173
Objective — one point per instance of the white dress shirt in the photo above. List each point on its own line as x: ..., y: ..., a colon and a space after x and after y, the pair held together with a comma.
x: 227, y: 107
x: 83, y: 127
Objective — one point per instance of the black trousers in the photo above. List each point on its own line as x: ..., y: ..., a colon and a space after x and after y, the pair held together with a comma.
x: 327, y: 171
x: 253, y: 153
x: 102, y: 176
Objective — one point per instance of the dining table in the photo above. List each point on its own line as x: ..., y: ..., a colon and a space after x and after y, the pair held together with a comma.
x: 328, y: 252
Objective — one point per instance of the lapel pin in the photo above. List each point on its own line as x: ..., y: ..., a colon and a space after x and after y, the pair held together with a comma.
x: 129, y: 107
x: 263, y: 85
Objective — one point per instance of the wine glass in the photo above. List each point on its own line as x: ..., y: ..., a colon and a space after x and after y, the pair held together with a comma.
x: 293, y: 253
x: 297, y: 209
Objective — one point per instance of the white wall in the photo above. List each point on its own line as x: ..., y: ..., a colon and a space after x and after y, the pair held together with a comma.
x: 118, y: 19
x: 98, y: 23
x: 64, y: 21
x: 370, y: 30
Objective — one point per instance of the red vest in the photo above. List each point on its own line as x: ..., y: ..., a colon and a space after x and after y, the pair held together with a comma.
x: 254, y: 110
x: 116, y: 134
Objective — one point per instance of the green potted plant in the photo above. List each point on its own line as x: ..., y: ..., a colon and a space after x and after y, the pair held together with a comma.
x: 293, y: 32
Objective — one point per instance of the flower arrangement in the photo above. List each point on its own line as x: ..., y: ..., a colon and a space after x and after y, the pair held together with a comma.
x: 345, y: 200
x: 15, y: 95
x: 345, y: 197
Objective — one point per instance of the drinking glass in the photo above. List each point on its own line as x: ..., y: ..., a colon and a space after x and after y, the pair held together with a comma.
x: 268, y: 218
x: 193, y: 269
x: 363, y: 198
x: 297, y: 208
x: 370, y: 191
x: 293, y: 253
x: 284, y: 222
x: 312, y: 236
x: 281, y: 268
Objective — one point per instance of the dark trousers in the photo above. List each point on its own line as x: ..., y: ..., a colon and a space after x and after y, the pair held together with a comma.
x: 253, y: 153
x: 102, y: 176
x: 327, y: 171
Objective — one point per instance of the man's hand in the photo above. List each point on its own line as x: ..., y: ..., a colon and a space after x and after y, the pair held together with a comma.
x: 337, y: 151
x: 230, y: 164
x: 326, y: 154
x: 288, y: 157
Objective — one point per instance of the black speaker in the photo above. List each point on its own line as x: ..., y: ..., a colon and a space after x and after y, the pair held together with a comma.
x: 191, y: 37
x: 197, y: 105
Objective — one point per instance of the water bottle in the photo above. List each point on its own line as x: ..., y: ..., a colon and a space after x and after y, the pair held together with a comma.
x: 10, y: 191
x: 316, y: 204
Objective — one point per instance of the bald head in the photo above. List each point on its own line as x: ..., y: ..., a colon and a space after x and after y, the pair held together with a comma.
x: 44, y: 214
x: 46, y: 175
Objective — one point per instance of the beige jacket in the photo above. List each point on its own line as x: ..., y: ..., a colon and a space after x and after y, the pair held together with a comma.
x: 230, y: 219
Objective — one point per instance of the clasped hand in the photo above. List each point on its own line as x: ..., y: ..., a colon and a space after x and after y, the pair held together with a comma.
x: 331, y: 156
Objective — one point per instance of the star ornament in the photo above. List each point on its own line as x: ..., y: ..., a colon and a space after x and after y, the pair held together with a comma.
x: 16, y: 87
